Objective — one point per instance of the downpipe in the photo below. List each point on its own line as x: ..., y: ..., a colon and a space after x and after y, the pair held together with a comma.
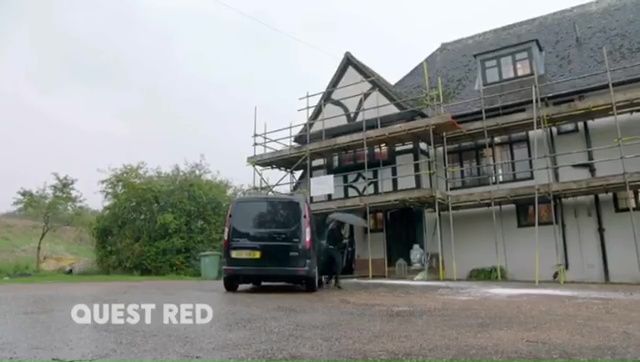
x: 598, y: 206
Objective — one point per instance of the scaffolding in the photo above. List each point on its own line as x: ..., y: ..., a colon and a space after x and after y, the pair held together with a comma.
x: 614, y: 95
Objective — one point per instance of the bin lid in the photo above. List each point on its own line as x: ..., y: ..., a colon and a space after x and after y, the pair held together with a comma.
x: 207, y: 253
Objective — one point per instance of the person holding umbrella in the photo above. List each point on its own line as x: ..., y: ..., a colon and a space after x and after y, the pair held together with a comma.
x: 335, y: 241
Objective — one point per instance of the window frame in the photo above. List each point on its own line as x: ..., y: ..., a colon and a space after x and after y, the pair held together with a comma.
x: 339, y: 164
x: 523, y: 207
x: 616, y: 201
x: 482, y: 178
x: 498, y: 59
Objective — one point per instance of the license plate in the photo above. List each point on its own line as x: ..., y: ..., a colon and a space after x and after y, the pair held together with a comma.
x: 245, y: 254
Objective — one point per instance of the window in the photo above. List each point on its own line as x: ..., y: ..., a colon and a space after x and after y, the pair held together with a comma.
x: 469, y: 164
x: 359, y: 156
x: 491, y: 73
x: 320, y: 225
x: 346, y: 158
x: 623, y: 201
x: 567, y: 128
x: 252, y: 220
x: 505, y: 160
x: 376, y: 221
x: 522, y: 165
x: 455, y: 172
x: 523, y: 64
x: 507, y: 66
x: 526, y: 213
x: 355, y: 159
x: 381, y: 153
x: 465, y: 170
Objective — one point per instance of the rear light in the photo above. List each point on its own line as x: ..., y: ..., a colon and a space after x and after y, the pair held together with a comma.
x: 307, y: 240
x: 225, y: 240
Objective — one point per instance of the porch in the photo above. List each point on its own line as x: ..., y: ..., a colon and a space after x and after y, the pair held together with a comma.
x: 392, y: 234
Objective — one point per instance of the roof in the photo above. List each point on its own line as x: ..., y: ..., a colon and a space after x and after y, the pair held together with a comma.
x: 572, y: 41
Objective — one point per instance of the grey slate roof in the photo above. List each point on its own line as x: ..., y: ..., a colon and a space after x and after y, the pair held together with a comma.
x: 614, y: 24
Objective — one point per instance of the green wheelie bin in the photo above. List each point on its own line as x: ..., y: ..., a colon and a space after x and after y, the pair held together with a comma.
x: 210, y: 265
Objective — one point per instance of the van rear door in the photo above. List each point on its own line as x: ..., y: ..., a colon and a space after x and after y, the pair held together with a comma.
x: 266, y: 232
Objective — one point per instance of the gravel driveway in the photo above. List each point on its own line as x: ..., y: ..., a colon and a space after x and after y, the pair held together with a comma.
x: 364, y: 321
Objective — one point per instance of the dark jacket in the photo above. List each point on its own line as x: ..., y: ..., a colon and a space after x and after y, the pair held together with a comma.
x: 334, y: 236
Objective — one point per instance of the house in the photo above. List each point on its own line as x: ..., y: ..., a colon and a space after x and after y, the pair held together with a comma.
x: 537, y: 121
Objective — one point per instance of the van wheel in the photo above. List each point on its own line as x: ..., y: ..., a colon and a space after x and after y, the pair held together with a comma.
x: 230, y: 284
x: 311, y: 284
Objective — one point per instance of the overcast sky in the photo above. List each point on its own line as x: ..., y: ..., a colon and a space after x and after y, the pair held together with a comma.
x: 87, y: 84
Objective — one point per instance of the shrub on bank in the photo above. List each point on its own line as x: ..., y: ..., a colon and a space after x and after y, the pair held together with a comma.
x: 157, y: 222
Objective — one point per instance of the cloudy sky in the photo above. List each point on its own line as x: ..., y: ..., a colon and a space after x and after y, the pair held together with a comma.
x: 87, y: 84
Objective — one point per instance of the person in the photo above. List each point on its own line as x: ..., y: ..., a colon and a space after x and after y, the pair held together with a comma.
x: 335, y: 241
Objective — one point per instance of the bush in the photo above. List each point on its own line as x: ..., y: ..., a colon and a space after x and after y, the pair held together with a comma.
x: 16, y: 267
x: 487, y: 273
x: 157, y: 223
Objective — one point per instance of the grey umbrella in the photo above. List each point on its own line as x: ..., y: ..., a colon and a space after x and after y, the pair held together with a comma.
x: 348, y: 219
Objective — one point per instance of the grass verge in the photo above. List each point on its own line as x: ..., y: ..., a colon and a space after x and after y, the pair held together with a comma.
x: 62, y: 278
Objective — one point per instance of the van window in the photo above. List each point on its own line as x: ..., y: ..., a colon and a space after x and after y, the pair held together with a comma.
x: 249, y: 217
x: 321, y: 225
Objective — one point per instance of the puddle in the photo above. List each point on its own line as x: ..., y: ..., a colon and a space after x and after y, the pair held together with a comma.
x: 416, y: 283
x: 518, y: 291
x: 468, y: 290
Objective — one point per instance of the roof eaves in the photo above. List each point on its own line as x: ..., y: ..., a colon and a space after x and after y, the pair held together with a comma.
x: 367, y: 73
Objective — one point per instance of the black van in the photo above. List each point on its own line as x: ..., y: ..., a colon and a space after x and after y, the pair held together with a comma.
x: 270, y: 239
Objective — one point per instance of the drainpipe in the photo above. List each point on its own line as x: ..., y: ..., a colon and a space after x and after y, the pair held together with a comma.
x: 563, y: 231
x: 596, y: 197
x: 433, y: 185
x: 556, y: 175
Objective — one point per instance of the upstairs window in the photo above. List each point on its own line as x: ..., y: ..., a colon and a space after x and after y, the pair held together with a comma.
x: 381, y: 153
x: 508, y: 66
x: 376, y: 156
x: 351, y: 158
x: 507, y: 159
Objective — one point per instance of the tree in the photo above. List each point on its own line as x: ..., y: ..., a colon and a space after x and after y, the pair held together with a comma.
x: 53, y: 205
x: 157, y: 222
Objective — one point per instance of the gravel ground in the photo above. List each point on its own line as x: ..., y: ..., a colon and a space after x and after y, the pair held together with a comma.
x: 364, y: 321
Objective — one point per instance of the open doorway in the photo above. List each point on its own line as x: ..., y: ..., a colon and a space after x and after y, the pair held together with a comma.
x: 401, y: 235
x: 349, y: 260
x: 322, y: 225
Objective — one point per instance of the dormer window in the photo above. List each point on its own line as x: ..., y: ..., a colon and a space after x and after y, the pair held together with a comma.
x: 510, y: 63
x: 506, y: 67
